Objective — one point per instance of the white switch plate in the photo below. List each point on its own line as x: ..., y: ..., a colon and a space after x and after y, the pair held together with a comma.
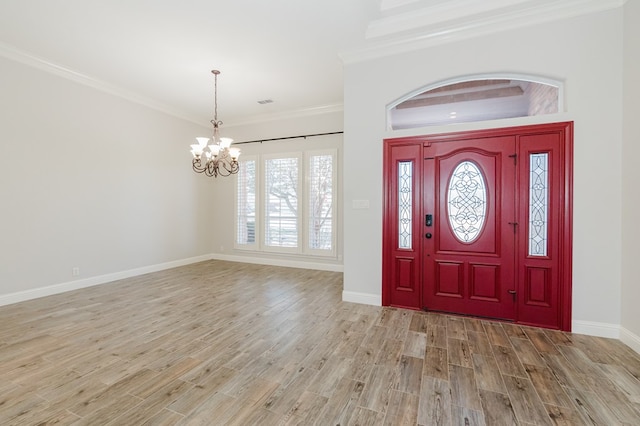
x: 360, y: 204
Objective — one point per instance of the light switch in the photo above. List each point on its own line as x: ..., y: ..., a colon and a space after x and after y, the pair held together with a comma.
x: 360, y: 204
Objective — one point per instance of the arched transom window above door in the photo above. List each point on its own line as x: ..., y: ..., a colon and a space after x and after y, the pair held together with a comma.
x: 475, y: 99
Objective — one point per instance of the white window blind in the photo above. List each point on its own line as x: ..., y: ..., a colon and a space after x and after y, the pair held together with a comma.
x: 287, y: 203
x: 321, y: 203
x: 281, y: 201
x: 246, y: 202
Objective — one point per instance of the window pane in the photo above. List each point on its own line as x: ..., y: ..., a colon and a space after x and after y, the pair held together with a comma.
x: 538, y: 203
x: 281, y: 207
x: 321, y: 202
x: 467, y: 203
x: 475, y: 100
x: 405, y: 203
x: 246, y: 196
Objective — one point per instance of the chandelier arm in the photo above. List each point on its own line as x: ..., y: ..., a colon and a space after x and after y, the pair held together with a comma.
x: 197, y: 166
x: 230, y: 168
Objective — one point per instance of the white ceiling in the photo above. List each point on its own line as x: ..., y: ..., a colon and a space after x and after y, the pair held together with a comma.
x: 160, y: 52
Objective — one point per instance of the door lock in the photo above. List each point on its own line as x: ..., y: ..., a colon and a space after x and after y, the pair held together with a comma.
x: 428, y: 220
x: 428, y: 235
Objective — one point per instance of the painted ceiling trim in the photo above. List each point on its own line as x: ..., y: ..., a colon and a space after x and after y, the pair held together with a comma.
x: 299, y: 113
x: 17, y: 55
x: 438, y: 24
x: 12, y: 53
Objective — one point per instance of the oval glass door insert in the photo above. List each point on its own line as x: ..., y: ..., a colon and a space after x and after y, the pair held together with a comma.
x: 467, y: 201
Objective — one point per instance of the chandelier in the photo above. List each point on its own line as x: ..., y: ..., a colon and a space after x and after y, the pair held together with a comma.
x: 219, y: 158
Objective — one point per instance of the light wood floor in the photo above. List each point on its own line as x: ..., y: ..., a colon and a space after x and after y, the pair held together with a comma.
x: 227, y: 343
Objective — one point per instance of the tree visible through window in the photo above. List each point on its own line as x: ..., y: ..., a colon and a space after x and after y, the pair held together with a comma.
x: 320, y: 202
x: 246, y: 203
x: 296, y: 214
x: 281, y: 215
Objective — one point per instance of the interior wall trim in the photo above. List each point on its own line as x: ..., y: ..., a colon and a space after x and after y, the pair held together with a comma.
x: 21, y: 296
x: 17, y: 55
x: 9, y: 52
x: 362, y: 298
x: 287, y: 263
x: 419, y: 29
x: 599, y: 329
x: 630, y: 339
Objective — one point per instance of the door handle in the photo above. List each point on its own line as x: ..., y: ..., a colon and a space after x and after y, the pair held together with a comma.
x: 513, y: 294
x: 428, y: 235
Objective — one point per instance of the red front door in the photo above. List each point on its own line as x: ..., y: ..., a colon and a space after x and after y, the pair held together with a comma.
x: 479, y: 223
x: 469, y: 246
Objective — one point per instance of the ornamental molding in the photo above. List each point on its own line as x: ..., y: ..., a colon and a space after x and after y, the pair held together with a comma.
x: 409, y: 25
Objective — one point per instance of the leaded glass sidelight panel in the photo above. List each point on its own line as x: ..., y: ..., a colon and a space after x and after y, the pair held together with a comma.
x: 405, y: 203
x: 467, y: 201
x: 538, y: 203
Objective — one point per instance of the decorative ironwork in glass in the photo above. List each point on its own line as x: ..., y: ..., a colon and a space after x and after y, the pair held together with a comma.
x: 538, y: 203
x: 467, y: 201
x: 405, y: 203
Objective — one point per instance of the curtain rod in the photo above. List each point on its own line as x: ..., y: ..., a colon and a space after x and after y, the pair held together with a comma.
x: 288, y: 137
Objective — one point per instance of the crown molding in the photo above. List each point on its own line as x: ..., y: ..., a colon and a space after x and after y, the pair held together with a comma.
x: 424, y: 17
x: 17, y: 55
x: 392, y: 4
x: 295, y: 113
x: 402, y: 33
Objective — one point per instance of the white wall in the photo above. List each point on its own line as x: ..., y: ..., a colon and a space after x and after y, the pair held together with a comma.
x: 589, y: 61
x: 90, y: 180
x: 224, y: 188
x: 631, y: 178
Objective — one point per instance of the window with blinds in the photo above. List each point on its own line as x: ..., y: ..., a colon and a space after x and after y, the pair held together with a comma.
x: 321, y: 202
x: 297, y: 211
x: 282, y: 186
x: 246, y: 204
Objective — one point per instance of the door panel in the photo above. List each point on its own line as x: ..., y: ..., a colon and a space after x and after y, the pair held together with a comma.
x: 541, y: 170
x: 401, y: 227
x: 514, y: 263
x: 469, y: 261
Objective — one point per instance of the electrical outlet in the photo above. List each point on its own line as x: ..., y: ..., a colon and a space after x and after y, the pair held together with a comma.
x: 75, y: 271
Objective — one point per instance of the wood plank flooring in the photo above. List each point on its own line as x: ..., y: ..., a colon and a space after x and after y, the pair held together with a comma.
x: 220, y: 343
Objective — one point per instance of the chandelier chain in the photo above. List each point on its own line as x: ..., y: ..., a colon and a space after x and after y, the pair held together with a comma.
x: 215, y: 121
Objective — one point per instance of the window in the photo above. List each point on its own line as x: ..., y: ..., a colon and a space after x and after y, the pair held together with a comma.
x: 297, y: 211
x: 320, y: 215
x: 467, y: 201
x: 246, y: 203
x: 281, y: 216
x: 476, y: 99
x: 538, y: 203
x: 405, y: 203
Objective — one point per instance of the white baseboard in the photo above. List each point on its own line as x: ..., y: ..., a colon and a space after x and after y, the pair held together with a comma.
x: 21, y: 296
x: 599, y: 329
x: 630, y: 339
x: 35, y: 293
x: 288, y: 263
x: 363, y: 298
